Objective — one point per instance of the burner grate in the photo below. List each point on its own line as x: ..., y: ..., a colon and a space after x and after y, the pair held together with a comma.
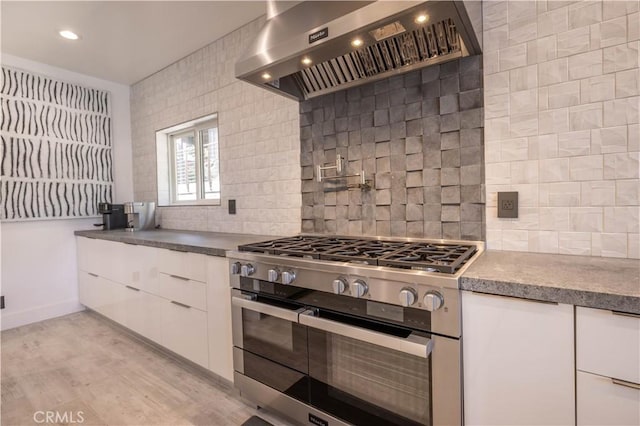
x: 447, y: 258
x: 366, y: 252
x: 423, y: 256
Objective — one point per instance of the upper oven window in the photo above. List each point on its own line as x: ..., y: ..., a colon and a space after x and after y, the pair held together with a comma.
x: 272, y: 336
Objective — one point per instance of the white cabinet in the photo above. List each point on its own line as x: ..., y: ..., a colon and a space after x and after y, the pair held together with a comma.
x: 145, y: 272
x: 219, y: 321
x: 182, y: 290
x: 601, y: 401
x: 108, y: 259
x: 93, y: 291
x: 160, y: 294
x: 184, y: 331
x: 608, y: 363
x: 608, y: 344
x: 182, y: 264
x: 143, y: 313
x: 518, y: 359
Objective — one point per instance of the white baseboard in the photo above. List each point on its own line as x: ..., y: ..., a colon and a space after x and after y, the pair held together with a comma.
x: 10, y: 320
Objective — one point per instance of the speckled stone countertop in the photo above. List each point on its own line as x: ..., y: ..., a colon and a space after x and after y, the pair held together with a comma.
x: 594, y: 282
x: 211, y: 243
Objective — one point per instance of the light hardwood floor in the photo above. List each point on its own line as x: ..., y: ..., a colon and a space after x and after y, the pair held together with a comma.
x: 83, y: 363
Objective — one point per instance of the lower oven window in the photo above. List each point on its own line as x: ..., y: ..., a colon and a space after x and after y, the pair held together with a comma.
x: 367, y: 384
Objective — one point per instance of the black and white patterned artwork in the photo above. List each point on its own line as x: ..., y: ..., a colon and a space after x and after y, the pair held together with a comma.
x: 55, y: 152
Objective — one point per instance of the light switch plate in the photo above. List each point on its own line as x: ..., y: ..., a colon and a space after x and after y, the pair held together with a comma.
x: 508, y: 205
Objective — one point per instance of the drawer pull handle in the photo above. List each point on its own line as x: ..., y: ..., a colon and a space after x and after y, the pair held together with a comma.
x: 626, y: 384
x: 179, y: 277
x: 92, y: 274
x: 625, y: 314
x: 132, y: 288
x: 179, y: 250
x: 181, y: 304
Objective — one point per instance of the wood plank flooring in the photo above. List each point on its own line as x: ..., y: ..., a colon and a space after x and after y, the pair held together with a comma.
x: 83, y: 363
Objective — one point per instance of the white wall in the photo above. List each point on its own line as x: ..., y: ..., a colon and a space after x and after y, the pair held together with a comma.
x: 259, y: 137
x: 38, y: 258
x: 562, y: 88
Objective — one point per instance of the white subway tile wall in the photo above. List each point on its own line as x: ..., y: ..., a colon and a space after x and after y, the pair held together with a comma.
x: 562, y: 90
x: 259, y: 140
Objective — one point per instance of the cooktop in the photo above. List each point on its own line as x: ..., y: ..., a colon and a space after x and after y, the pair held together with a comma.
x: 425, y: 255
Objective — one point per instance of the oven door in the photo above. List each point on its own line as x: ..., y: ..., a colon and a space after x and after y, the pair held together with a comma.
x: 369, y: 373
x: 269, y: 344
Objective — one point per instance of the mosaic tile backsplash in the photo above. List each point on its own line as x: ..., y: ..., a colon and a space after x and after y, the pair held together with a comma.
x: 420, y: 135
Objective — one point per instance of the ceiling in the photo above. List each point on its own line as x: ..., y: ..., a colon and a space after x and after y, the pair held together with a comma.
x: 120, y: 41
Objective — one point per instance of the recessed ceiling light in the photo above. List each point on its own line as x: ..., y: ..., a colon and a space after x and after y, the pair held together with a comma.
x: 306, y: 60
x: 266, y: 76
x: 422, y: 18
x: 69, y: 35
x: 356, y: 42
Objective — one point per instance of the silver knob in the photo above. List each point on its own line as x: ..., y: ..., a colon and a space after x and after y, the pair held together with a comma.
x: 247, y: 270
x: 407, y: 296
x: 359, y: 288
x: 340, y: 285
x: 433, y: 301
x: 288, y: 277
x: 235, y: 268
x: 273, y: 275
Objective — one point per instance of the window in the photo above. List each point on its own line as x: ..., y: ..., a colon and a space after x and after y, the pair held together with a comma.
x: 188, y: 164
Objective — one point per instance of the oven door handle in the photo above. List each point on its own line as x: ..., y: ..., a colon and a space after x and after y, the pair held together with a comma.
x: 263, y: 308
x: 413, y: 344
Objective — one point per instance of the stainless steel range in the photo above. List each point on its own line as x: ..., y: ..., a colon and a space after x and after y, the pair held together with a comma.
x: 331, y: 330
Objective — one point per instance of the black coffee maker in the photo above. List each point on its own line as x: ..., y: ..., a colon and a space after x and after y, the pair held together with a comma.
x: 113, y: 216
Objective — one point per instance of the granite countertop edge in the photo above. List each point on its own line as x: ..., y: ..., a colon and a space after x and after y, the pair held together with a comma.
x: 553, y: 294
x: 217, y: 244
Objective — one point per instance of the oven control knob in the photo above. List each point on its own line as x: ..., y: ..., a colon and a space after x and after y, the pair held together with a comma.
x: 340, y: 285
x: 235, y: 268
x: 407, y: 296
x: 359, y: 288
x: 288, y: 277
x: 433, y: 301
x: 247, y: 270
x: 273, y: 275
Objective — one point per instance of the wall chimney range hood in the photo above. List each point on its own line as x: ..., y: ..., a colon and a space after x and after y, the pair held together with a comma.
x: 319, y: 47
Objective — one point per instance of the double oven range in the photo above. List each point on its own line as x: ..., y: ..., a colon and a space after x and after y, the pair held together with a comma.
x: 342, y: 330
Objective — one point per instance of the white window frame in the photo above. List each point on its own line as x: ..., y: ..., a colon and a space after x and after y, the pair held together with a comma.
x: 165, y: 144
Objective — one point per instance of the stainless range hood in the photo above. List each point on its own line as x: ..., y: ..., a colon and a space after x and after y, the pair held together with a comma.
x: 309, y: 50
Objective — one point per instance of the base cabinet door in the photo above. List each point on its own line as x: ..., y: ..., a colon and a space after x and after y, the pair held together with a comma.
x: 101, y: 295
x: 219, y: 317
x: 184, y: 331
x: 90, y: 291
x: 518, y: 361
x: 144, y: 313
x: 603, y: 401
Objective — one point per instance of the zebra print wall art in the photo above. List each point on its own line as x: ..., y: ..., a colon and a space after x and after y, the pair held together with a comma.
x: 55, y: 150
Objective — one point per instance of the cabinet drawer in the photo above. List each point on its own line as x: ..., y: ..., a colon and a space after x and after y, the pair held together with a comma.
x: 184, y: 331
x: 108, y: 259
x: 602, y: 402
x: 183, y: 264
x: 90, y: 290
x: 146, y: 267
x: 143, y: 313
x: 188, y: 292
x: 608, y: 344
